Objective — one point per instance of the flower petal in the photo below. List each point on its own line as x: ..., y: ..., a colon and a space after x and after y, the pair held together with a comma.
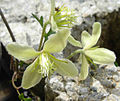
x: 80, y: 59
x: 66, y: 68
x: 95, y: 35
x: 85, y: 36
x: 53, y: 24
x: 20, y: 52
x: 74, y: 42
x: 31, y: 76
x: 101, y: 55
x: 84, y: 69
x: 57, y: 42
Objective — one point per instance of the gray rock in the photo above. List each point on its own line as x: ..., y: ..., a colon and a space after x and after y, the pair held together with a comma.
x: 112, y: 97
x: 111, y: 68
x: 56, y: 83
x: 94, y: 89
x: 82, y: 97
x: 82, y: 91
x: 107, y: 83
x: 116, y: 78
x: 100, y: 88
x: 118, y: 68
x: 115, y: 91
x: 73, y: 96
x: 70, y: 86
x: 62, y: 97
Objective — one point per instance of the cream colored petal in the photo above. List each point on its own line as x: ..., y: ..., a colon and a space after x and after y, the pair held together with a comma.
x: 95, y: 35
x: 57, y: 42
x: 66, y: 68
x: 53, y: 24
x: 20, y: 52
x: 101, y: 55
x: 84, y: 69
x: 74, y: 42
x: 85, y: 37
x: 80, y: 59
x: 31, y: 76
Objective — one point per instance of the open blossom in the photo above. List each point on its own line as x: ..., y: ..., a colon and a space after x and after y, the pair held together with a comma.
x: 44, y: 63
x: 97, y: 55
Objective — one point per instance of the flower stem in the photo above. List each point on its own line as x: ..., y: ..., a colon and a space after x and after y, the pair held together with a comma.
x: 74, y: 53
x: 43, y: 33
x: 13, y: 79
x: 52, y: 8
x: 7, y: 25
x: 91, y: 62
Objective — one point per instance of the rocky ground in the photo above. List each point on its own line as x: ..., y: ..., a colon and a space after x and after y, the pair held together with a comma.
x: 102, y: 84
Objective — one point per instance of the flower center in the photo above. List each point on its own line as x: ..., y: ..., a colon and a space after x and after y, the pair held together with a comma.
x: 46, y: 65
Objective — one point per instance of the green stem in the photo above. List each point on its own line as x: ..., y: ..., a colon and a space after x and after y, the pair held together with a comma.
x: 52, y: 8
x: 74, y: 53
x: 90, y: 61
x: 52, y: 57
x: 43, y: 32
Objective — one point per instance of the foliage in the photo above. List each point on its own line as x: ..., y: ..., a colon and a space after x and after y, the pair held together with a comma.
x: 22, y: 98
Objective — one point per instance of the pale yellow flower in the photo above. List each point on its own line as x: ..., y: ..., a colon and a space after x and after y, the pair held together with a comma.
x: 45, y: 63
x: 97, y: 55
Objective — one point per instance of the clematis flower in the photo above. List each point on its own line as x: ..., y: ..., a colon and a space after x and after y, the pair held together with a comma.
x: 98, y: 55
x: 44, y: 63
x: 63, y: 17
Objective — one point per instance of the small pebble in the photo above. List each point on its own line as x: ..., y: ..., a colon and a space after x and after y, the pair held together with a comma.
x: 116, y: 78
x: 94, y: 89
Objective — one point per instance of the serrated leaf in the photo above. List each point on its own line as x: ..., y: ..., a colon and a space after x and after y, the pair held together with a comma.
x: 39, y: 20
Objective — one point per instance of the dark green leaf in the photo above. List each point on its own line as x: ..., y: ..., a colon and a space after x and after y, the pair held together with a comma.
x: 39, y: 20
x: 116, y: 64
x: 48, y: 34
x: 21, y: 63
x: 27, y: 99
x: 92, y: 64
x: 21, y: 96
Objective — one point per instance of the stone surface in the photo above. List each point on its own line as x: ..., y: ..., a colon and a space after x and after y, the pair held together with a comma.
x: 112, y: 97
x: 100, y: 87
x: 102, y: 84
